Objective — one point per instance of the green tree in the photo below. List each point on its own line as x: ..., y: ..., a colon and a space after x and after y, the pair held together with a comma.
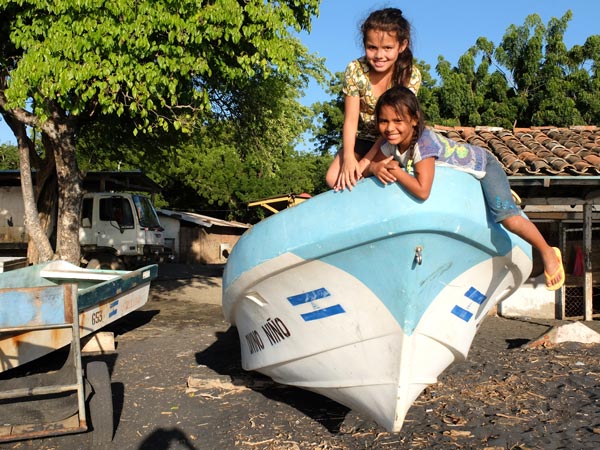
x: 530, y: 78
x: 539, y: 65
x: 585, y: 78
x: 9, y: 157
x: 427, y: 94
x: 224, y: 177
x: 243, y: 150
x: 471, y: 94
x: 159, y: 64
x: 329, y: 118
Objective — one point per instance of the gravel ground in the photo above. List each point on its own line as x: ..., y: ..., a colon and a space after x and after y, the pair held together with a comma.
x: 177, y: 383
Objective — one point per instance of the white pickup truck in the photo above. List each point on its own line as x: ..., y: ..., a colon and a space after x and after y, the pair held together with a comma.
x: 116, y: 229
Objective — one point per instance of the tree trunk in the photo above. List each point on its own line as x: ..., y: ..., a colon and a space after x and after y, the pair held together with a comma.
x: 60, y: 140
x: 36, y: 233
x: 39, y: 248
x: 46, y: 201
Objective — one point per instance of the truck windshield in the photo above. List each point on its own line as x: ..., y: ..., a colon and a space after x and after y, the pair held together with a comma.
x: 114, y: 209
x: 146, y: 212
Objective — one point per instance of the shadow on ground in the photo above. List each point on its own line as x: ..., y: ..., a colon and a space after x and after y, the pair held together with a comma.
x: 223, y: 357
x: 164, y: 438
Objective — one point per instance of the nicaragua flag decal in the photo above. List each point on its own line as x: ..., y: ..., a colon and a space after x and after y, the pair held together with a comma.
x: 315, y: 298
x: 475, y: 297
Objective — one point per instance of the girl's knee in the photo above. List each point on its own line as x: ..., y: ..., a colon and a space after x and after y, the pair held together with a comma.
x: 512, y: 222
x: 333, y: 171
x: 330, y: 180
x: 331, y: 176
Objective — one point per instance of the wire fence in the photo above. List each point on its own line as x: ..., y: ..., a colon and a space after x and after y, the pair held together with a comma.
x: 575, y: 302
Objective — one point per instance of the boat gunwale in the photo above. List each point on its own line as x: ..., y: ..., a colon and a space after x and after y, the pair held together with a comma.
x: 248, y: 252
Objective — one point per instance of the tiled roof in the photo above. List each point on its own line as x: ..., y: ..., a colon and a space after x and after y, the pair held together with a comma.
x: 538, y: 151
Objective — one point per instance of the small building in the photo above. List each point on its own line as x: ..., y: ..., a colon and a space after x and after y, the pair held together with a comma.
x: 556, y: 172
x: 199, y: 239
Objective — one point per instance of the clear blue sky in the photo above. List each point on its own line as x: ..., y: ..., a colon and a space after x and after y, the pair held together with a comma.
x: 446, y: 28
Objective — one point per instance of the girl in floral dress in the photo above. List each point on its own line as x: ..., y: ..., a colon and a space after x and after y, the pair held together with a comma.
x: 387, y: 62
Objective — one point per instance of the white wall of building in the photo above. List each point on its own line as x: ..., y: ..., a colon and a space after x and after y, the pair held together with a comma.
x: 171, y: 233
x: 532, y: 300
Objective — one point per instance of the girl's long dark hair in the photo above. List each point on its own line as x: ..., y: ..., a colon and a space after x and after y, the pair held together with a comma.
x: 391, y: 20
x: 404, y: 101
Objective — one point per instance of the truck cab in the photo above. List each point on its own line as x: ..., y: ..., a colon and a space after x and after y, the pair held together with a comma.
x: 120, y: 229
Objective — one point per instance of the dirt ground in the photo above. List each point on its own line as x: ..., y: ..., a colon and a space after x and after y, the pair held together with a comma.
x: 177, y: 384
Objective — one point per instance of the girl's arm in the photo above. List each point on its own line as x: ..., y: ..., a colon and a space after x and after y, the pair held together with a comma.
x: 349, y: 169
x: 371, y: 155
x: 419, y: 184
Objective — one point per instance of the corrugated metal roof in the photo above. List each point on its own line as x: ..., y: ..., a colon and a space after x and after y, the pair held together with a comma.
x: 200, y: 219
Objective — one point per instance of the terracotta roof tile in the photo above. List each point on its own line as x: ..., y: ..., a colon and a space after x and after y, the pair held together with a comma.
x: 551, y: 151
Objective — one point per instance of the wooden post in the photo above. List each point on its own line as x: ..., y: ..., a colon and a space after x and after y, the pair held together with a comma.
x: 559, y: 296
x: 587, y: 249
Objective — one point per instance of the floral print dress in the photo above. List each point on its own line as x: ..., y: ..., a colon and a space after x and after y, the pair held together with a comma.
x: 357, y: 83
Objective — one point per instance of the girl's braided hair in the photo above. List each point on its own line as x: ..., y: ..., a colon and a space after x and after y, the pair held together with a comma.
x: 391, y: 20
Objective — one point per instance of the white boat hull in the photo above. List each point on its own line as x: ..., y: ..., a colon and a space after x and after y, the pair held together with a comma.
x: 361, y: 321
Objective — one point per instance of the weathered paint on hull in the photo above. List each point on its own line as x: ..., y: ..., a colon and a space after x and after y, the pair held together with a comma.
x: 118, y: 298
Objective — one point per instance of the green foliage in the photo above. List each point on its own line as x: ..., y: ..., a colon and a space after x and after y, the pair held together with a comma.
x: 217, y: 181
x: 9, y: 157
x: 140, y: 59
x: 531, y: 78
x: 330, y: 118
x: 225, y: 172
x: 427, y: 95
x: 125, y: 79
x: 261, y: 117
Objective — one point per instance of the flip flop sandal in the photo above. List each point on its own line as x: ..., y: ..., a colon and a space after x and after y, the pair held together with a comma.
x: 560, y: 270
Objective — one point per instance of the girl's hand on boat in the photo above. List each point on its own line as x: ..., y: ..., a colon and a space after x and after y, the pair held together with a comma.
x: 381, y: 169
x: 349, y: 175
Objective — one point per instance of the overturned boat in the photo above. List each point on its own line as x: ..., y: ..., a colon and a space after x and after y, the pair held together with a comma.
x: 367, y: 296
x: 103, y: 296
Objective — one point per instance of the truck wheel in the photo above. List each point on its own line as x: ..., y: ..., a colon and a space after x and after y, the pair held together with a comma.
x: 100, y: 405
x: 106, y: 262
x: 93, y: 263
x: 115, y: 263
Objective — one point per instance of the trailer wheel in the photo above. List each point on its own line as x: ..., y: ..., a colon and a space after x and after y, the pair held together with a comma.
x: 100, y: 405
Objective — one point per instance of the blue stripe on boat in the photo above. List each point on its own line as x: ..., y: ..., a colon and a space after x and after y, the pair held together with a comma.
x: 322, y: 313
x: 308, y: 297
x: 462, y: 313
x: 113, y: 308
x: 475, y: 295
